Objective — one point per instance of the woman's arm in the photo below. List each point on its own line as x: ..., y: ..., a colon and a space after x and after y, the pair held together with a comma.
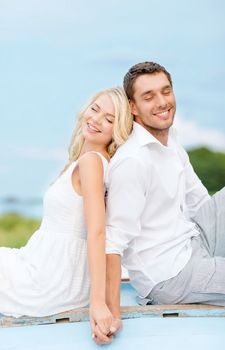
x: 91, y: 174
x: 113, y: 279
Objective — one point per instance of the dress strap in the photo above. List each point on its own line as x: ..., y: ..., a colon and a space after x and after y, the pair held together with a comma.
x: 105, y: 162
x: 99, y: 154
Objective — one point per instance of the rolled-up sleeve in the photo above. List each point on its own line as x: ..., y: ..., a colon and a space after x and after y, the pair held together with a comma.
x: 125, y: 203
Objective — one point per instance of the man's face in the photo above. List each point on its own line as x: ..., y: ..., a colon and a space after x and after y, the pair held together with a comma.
x: 153, y: 104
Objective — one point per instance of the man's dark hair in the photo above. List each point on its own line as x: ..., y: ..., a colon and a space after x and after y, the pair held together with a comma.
x: 141, y: 69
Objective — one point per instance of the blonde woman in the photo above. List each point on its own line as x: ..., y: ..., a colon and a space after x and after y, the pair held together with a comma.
x: 63, y: 265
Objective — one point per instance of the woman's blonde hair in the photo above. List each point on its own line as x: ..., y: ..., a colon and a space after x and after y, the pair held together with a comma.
x: 121, y: 129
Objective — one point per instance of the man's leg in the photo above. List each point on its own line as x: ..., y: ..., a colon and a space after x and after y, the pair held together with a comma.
x: 211, y: 220
x: 203, y: 278
x: 201, y: 281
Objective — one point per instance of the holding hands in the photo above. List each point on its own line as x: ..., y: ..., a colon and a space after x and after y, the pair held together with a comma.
x: 103, y: 324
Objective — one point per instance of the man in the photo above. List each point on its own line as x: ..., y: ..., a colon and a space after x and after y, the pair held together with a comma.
x: 161, y: 220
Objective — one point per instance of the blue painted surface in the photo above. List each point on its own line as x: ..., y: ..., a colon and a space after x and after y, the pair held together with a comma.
x: 142, y: 333
x: 128, y: 295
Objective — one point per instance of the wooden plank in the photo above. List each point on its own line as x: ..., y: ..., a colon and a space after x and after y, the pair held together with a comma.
x: 129, y: 310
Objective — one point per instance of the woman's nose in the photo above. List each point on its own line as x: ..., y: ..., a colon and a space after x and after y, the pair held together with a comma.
x: 97, y: 117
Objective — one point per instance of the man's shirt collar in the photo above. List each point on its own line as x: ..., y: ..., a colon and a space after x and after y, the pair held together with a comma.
x: 144, y: 137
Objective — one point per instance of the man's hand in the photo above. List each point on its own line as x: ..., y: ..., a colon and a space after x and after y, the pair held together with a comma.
x: 116, y: 326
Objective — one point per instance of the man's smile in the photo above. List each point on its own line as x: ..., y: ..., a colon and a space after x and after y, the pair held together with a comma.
x: 163, y: 114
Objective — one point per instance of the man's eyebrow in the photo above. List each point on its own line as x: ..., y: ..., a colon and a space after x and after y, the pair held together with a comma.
x: 167, y: 86
x: 148, y: 92
x: 111, y: 115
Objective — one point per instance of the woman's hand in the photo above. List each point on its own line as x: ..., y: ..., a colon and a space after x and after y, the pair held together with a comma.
x: 101, y: 321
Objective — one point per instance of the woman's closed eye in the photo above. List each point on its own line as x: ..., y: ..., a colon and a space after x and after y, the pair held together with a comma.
x: 109, y: 120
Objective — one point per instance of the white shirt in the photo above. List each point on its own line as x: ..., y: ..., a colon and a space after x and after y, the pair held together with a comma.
x: 153, y: 192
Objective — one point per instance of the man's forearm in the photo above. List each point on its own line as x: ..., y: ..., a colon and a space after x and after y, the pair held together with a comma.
x: 113, y: 278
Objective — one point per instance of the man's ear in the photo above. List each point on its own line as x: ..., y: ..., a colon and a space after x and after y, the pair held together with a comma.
x: 133, y: 107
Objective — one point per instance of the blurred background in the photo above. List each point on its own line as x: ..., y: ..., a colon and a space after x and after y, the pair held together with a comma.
x: 55, y: 54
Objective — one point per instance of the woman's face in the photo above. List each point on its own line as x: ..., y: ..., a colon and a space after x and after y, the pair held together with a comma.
x: 98, y: 120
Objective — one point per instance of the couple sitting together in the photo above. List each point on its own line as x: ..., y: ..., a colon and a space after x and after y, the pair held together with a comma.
x: 145, y: 206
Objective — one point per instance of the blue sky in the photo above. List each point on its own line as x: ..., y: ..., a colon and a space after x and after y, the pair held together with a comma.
x: 56, y: 54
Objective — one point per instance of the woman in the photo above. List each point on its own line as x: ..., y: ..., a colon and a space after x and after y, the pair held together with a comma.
x: 62, y: 267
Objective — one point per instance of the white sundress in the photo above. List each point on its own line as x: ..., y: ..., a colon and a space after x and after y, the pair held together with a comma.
x: 50, y: 274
